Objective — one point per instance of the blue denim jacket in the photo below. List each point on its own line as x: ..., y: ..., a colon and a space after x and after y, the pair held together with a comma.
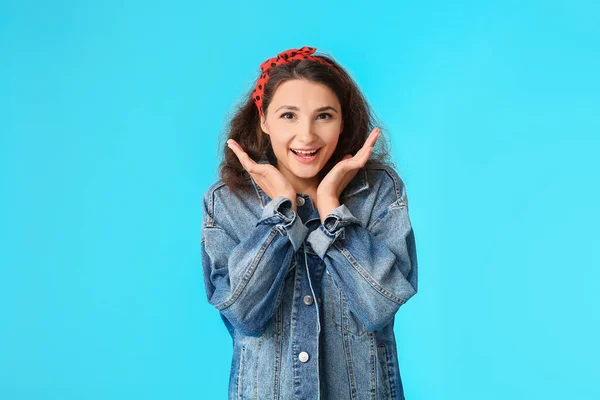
x: 310, y: 306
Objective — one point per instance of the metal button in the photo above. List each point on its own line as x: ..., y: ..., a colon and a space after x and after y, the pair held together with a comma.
x: 300, y: 201
x: 303, y: 356
x: 308, y: 300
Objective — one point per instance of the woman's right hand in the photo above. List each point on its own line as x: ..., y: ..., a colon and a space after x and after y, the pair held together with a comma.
x: 271, y: 181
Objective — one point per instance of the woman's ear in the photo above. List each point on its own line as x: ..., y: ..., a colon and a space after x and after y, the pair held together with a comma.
x: 263, y: 125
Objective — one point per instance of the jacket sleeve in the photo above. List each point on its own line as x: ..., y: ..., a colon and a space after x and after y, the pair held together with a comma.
x: 243, y: 279
x: 375, y: 266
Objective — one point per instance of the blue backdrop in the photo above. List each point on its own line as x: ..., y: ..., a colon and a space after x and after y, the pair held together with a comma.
x: 109, y: 120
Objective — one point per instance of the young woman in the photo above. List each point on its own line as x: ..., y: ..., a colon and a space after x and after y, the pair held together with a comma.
x: 307, y: 247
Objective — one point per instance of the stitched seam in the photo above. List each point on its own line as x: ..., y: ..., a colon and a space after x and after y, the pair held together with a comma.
x: 348, y: 353
x: 383, y: 359
x: 211, y: 203
x: 373, y: 361
x: 260, y: 341
x: 241, y: 374
x: 366, y: 276
x: 396, y: 183
x: 249, y: 272
x: 399, y: 203
x: 342, y: 306
x: 255, y: 185
x: 278, y: 341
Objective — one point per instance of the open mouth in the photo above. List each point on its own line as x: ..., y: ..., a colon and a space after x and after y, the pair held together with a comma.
x: 305, y: 154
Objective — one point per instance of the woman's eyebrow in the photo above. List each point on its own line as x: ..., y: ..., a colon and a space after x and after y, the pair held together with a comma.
x: 294, y: 108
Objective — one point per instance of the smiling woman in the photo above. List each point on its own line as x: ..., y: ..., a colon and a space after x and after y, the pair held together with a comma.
x: 300, y: 123
x: 308, y: 251
x: 316, y: 75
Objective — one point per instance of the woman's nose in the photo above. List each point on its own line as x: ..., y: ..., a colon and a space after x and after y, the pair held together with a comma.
x: 305, y: 131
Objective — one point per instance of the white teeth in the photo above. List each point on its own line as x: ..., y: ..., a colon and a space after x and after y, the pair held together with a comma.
x: 305, y: 152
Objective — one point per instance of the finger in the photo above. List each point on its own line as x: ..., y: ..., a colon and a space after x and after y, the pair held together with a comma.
x: 367, y: 148
x: 237, y: 150
x: 248, y: 163
x: 361, y: 159
x: 373, y: 136
x: 369, y: 143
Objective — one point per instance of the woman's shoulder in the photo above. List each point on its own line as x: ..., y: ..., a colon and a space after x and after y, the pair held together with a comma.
x: 386, y: 178
x: 220, y: 189
x: 383, y: 171
x: 219, y: 199
x: 208, y: 198
x: 218, y: 185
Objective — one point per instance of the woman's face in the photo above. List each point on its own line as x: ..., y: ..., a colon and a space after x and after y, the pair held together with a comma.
x: 303, y: 115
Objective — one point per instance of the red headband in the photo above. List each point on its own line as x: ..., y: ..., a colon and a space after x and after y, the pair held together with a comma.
x: 282, y: 58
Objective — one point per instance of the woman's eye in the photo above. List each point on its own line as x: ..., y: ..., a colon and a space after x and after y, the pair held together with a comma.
x: 284, y: 115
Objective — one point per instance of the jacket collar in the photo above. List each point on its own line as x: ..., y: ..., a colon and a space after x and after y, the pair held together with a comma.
x: 358, y: 184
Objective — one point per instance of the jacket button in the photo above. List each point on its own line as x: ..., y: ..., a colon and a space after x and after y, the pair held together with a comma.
x: 300, y: 201
x: 303, y: 356
x: 308, y: 300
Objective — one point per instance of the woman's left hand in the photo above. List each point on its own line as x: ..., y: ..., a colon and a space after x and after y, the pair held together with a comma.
x: 332, y: 185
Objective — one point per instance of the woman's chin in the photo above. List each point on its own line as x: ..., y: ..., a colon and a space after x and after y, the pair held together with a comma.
x: 306, y: 172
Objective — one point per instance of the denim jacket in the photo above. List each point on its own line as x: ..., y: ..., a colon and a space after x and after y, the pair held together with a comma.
x: 310, y: 307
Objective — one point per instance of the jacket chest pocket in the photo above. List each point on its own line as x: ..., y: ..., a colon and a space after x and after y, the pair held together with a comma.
x: 274, y: 327
x: 336, y: 308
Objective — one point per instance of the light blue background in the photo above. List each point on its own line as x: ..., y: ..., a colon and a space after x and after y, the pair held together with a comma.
x: 109, y: 121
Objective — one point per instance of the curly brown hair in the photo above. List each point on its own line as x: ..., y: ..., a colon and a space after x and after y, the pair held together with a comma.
x: 244, y: 126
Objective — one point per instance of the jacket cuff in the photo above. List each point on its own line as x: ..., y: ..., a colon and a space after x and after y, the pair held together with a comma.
x: 332, y: 227
x: 279, y: 211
